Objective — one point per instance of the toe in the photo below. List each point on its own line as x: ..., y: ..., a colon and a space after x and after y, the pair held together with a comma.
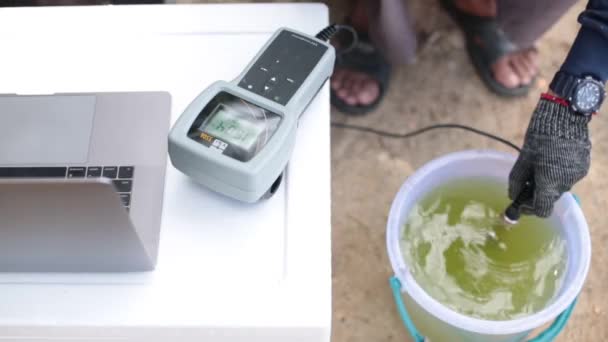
x: 344, y: 91
x: 347, y: 81
x: 336, y: 79
x: 351, y: 100
x: 519, y: 66
x: 355, y: 88
x: 504, y: 73
x: 531, y: 57
x: 530, y: 66
x: 365, y: 88
x: 357, y: 84
x: 370, y: 91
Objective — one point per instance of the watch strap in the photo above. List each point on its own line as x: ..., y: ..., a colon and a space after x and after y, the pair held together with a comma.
x: 563, y: 84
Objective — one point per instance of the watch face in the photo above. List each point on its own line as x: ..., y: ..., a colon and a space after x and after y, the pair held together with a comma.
x: 588, y: 96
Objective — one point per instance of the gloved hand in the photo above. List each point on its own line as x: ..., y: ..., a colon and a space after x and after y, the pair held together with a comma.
x: 555, y: 155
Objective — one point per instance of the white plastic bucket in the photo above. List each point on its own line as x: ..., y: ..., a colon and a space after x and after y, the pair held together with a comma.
x: 438, y: 322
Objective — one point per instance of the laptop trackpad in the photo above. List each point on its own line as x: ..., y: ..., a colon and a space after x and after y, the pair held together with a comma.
x: 45, y: 129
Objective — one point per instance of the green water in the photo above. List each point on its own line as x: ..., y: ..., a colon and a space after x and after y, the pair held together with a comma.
x: 446, y: 245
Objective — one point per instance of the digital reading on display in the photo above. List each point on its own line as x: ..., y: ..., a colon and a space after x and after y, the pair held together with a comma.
x: 234, y: 127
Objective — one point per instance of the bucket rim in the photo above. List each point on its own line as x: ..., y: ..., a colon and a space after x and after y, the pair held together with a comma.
x: 449, y: 316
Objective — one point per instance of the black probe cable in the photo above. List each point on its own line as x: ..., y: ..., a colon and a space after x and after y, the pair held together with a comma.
x: 327, y: 33
x: 513, y: 211
x: 423, y: 130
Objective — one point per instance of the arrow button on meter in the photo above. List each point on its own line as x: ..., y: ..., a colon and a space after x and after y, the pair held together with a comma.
x: 268, y: 88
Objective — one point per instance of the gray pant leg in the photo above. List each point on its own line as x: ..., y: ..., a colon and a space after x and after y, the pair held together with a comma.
x: 525, y: 21
x: 392, y: 30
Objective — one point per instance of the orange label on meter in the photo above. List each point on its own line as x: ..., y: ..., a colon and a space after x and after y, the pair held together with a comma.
x: 207, y: 137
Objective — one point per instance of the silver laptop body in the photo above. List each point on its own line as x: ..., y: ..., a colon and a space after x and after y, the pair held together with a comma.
x: 81, y: 181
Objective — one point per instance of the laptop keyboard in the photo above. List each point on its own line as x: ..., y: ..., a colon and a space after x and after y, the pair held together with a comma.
x: 121, y: 176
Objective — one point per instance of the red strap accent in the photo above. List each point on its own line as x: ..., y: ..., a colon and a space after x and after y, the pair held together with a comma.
x: 558, y: 100
x: 555, y: 99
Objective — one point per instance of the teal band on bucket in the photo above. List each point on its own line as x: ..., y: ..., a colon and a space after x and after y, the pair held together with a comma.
x: 405, y: 317
x: 546, y: 336
x: 558, y: 325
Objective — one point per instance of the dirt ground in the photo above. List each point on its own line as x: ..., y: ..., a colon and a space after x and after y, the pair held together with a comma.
x: 367, y: 171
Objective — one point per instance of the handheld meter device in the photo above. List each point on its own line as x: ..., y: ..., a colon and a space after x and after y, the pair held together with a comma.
x: 236, y: 137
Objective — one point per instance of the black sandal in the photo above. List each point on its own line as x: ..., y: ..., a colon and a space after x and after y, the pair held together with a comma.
x: 486, y: 43
x: 366, y: 58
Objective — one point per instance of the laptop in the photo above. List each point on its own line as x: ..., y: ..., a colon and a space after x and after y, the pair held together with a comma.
x: 82, y: 180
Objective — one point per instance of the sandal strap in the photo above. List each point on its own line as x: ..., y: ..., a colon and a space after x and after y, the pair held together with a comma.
x: 483, y: 34
x: 366, y: 58
x: 490, y: 41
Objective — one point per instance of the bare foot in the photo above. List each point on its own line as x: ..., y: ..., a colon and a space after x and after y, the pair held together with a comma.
x: 353, y: 87
x: 516, y: 69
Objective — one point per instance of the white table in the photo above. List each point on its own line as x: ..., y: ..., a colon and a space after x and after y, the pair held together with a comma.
x: 226, y: 271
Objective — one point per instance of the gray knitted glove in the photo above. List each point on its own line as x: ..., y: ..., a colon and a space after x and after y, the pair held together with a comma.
x: 556, y: 155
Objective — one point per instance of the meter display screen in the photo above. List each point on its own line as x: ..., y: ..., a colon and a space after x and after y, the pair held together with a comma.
x: 234, y: 127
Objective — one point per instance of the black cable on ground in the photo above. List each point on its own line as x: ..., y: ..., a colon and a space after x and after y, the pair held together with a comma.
x: 327, y: 33
x: 423, y: 130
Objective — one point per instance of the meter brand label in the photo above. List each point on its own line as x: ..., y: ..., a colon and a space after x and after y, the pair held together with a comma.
x: 206, y: 137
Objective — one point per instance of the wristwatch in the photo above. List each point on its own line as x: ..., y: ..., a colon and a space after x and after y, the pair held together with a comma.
x: 584, y: 94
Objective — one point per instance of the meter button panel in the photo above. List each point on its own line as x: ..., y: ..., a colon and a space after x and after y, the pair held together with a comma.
x: 255, y: 80
x: 283, y: 67
x: 268, y: 88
